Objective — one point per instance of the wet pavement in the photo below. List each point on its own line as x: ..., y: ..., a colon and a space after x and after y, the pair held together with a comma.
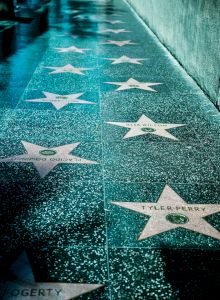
x: 109, y: 162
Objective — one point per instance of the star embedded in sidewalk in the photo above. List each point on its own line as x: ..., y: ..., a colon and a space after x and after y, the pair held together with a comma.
x: 71, y: 11
x: 73, y: 36
x: 116, y: 31
x: 80, y: 17
x: 134, y: 84
x: 171, y: 212
x: 124, y: 59
x: 72, y: 49
x: 119, y: 43
x: 116, y: 15
x: 86, y: 18
x: 146, y: 126
x: 45, y: 159
x: 59, y: 101
x: 68, y: 69
x: 114, y: 22
x: 25, y: 287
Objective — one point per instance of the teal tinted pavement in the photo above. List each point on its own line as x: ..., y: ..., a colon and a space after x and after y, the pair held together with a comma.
x: 109, y: 165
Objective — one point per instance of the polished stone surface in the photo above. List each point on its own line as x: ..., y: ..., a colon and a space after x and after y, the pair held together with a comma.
x: 109, y: 167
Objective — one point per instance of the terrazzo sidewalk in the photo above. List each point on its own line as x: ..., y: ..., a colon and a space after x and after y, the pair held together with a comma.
x: 109, y: 165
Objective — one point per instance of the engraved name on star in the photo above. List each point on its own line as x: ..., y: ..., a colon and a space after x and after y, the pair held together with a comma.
x: 147, y: 126
x: 72, y: 48
x: 116, y: 31
x: 68, y: 69
x: 171, y: 212
x: 45, y: 159
x: 25, y: 286
x: 125, y: 59
x: 59, y: 101
x: 119, y: 43
x: 134, y: 84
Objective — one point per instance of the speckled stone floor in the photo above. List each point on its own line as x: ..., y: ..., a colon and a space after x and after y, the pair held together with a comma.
x: 109, y: 162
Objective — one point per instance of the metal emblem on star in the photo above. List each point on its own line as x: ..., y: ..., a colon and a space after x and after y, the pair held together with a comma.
x: 134, y: 84
x: 119, y: 43
x: 46, y: 159
x: 116, y: 31
x: 171, y: 212
x: 59, y: 101
x: 124, y: 59
x: 68, y: 69
x: 146, y: 126
x: 25, y: 287
x: 72, y: 49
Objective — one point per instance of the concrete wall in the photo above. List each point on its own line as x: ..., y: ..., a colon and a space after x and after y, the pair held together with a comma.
x: 190, y: 29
